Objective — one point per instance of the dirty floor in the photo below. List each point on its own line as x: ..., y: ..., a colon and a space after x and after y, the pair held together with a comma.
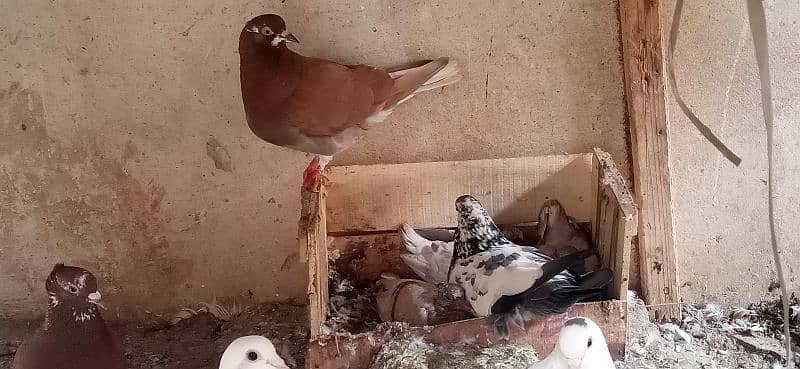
x: 708, y: 338
x: 194, y: 343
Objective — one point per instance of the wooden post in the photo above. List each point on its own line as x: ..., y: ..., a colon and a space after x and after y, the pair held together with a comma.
x: 642, y: 60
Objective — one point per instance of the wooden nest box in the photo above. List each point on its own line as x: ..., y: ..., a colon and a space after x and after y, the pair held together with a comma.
x: 359, y: 210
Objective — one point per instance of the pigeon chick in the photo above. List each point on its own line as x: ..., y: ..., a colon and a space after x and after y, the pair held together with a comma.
x: 251, y: 352
x: 420, y: 303
x: 510, y: 282
x: 317, y: 105
x: 430, y: 260
x: 74, y: 335
x: 581, y: 345
x: 560, y: 234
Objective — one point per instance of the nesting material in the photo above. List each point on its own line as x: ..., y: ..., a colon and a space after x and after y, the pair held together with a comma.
x: 351, y: 307
x: 415, y: 353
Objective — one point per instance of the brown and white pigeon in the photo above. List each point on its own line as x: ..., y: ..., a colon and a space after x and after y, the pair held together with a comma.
x: 561, y: 235
x: 316, y: 105
x: 420, y: 303
x: 74, y: 335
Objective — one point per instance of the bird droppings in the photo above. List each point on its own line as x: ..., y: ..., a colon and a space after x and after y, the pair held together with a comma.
x: 715, y: 341
x: 351, y: 306
x: 415, y: 353
x: 219, y: 154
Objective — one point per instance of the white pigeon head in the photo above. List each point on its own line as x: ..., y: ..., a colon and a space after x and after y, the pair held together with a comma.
x: 582, y: 345
x: 251, y: 352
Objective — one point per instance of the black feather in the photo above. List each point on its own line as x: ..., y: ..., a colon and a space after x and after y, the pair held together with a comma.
x: 554, y: 296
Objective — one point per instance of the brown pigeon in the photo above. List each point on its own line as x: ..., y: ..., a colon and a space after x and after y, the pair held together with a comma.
x: 317, y: 105
x: 74, y: 335
x: 420, y: 303
x: 560, y: 235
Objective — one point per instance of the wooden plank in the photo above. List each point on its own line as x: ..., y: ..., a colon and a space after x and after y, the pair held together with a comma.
x: 362, y: 258
x: 617, y: 222
x: 380, y: 197
x: 312, y: 236
x: 642, y: 61
x: 336, y: 352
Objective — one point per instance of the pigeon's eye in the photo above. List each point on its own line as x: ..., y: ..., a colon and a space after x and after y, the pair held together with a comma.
x: 589, y: 344
x: 73, y: 289
x: 252, y: 355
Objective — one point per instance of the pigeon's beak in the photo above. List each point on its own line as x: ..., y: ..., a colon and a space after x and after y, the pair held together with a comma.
x: 95, y: 297
x: 290, y: 37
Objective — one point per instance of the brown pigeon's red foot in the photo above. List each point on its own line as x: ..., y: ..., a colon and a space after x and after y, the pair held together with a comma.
x: 313, y: 176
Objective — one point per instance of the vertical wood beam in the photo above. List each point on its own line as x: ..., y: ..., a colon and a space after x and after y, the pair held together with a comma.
x: 642, y: 60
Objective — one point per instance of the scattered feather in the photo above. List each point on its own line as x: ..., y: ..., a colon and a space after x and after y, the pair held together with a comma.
x: 215, y: 309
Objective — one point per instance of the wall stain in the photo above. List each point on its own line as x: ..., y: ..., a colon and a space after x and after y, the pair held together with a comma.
x: 290, y: 261
x: 219, y: 154
x: 73, y: 203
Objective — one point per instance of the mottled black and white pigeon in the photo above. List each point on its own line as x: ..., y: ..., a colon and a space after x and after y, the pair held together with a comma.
x: 74, y: 335
x: 509, y: 283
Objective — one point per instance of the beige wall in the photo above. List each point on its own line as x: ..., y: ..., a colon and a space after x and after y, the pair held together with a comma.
x: 126, y: 106
x: 720, y: 211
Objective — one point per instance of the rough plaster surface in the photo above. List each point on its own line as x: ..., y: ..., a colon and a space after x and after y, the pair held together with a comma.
x: 124, y: 147
x: 719, y: 210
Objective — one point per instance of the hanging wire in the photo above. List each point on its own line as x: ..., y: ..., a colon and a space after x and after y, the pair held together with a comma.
x: 758, y: 29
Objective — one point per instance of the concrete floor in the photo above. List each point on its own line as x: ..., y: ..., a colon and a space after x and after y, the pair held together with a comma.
x: 124, y: 147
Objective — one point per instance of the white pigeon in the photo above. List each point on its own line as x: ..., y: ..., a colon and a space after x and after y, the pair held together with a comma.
x: 581, y: 345
x: 430, y: 260
x: 251, y: 352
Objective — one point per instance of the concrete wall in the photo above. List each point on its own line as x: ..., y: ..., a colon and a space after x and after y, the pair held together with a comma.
x: 720, y: 211
x: 124, y: 147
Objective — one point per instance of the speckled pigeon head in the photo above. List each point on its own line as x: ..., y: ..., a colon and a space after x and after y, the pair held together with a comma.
x: 476, y: 230
x: 268, y: 30
x: 73, y: 286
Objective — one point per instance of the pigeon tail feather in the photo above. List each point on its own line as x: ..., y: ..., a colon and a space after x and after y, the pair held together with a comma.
x: 549, y: 298
x: 411, y: 81
x: 413, y: 242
